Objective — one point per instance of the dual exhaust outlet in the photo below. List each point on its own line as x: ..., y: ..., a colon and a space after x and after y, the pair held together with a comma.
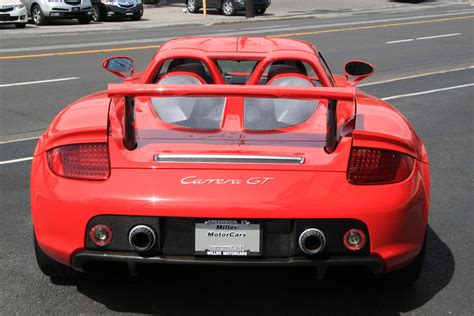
x: 143, y: 238
x: 312, y: 241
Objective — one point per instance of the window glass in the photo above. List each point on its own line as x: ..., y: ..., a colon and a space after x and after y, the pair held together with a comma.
x: 236, y: 71
x: 322, y: 61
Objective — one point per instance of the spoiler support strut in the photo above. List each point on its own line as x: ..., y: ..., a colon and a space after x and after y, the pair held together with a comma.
x: 331, y: 129
x: 129, y: 140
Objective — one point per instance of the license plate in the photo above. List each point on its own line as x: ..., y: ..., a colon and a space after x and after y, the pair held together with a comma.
x: 76, y: 9
x: 227, y: 238
x: 129, y: 13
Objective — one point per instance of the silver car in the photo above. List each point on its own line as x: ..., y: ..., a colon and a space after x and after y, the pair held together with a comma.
x: 41, y: 11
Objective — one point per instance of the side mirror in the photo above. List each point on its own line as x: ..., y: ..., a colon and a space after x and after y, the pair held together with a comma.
x: 359, y: 70
x: 119, y: 66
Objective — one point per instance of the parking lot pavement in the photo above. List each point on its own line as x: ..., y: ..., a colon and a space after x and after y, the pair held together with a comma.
x: 175, y: 14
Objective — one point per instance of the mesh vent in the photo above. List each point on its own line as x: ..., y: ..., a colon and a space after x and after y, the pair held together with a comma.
x: 266, y: 114
x: 198, y: 113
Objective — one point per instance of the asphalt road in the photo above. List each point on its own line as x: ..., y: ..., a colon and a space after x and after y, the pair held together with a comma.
x: 429, y: 79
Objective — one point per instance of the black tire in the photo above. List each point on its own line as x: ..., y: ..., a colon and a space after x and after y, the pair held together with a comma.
x: 409, y: 274
x: 20, y: 25
x: 53, y: 268
x: 136, y: 18
x: 96, y: 14
x: 38, y: 16
x: 84, y: 20
x: 228, y: 8
x: 192, y: 6
x: 261, y: 11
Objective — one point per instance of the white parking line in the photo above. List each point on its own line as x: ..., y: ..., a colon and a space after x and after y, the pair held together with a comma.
x: 400, y: 41
x: 18, y: 140
x: 422, y: 38
x: 427, y: 92
x: 36, y: 82
x: 412, y: 77
x: 6, y: 162
x: 437, y: 36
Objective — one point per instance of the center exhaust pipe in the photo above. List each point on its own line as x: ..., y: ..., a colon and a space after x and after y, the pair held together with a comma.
x: 312, y: 241
x: 142, y: 238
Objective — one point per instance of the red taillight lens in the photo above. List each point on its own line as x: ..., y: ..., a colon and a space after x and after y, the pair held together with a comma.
x: 378, y: 166
x: 83, y: 161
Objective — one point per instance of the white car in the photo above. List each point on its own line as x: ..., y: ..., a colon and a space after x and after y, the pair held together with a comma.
x: 13, y: 12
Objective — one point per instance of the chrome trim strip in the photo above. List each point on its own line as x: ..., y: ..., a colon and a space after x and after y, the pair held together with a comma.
x: 207, y: 158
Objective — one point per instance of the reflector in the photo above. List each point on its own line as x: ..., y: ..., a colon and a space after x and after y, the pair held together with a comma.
x: 101, y: 235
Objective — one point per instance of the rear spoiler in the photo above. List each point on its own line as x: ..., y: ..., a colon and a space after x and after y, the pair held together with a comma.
x: 332, y: 94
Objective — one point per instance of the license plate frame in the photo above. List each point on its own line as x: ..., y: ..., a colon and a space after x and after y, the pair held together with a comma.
x: 228, y: 238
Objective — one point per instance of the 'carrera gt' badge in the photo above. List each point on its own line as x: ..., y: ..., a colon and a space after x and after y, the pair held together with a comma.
x: 250, y: 181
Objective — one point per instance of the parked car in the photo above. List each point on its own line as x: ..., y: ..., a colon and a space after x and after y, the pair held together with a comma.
x: 231, y: 151
x: 228, y: 7
x: 103, y: 9
x: 42, y: 11
x: 13, y: 12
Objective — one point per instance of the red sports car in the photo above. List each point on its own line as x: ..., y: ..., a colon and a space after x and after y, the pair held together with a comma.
x: 231, y: 151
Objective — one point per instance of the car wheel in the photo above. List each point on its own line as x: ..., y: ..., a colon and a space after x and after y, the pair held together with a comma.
x: 52, y: 268
x: 38, y: 16
x: 261, y: 11
x: 409, y: 274
x: 228, y: 7
x: 136, y: 18
x: 96, y: 17
x: 84, y: 20
x: 192, y: 6
x: 20, y: 25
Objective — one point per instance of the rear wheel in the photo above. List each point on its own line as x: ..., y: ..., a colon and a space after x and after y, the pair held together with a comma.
x: 52, y: 268
x: 192, y: 6
x: 84, y: 20
x: 228, y: 8
x: 261, y: 11
x: 38, y: 16
x: 409, y: 274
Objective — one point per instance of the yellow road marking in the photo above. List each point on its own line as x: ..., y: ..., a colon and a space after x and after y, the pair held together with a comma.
x: 94, y: 51
x: 372, y: 26
x: 278, y: 35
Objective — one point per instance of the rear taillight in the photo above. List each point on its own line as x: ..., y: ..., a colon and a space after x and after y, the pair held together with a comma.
x: 82, y: 161
x: 378, y: 166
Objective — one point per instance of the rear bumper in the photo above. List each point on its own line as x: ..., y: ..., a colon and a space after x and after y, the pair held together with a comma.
x: 395, y: 215
x: 82, y: 258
